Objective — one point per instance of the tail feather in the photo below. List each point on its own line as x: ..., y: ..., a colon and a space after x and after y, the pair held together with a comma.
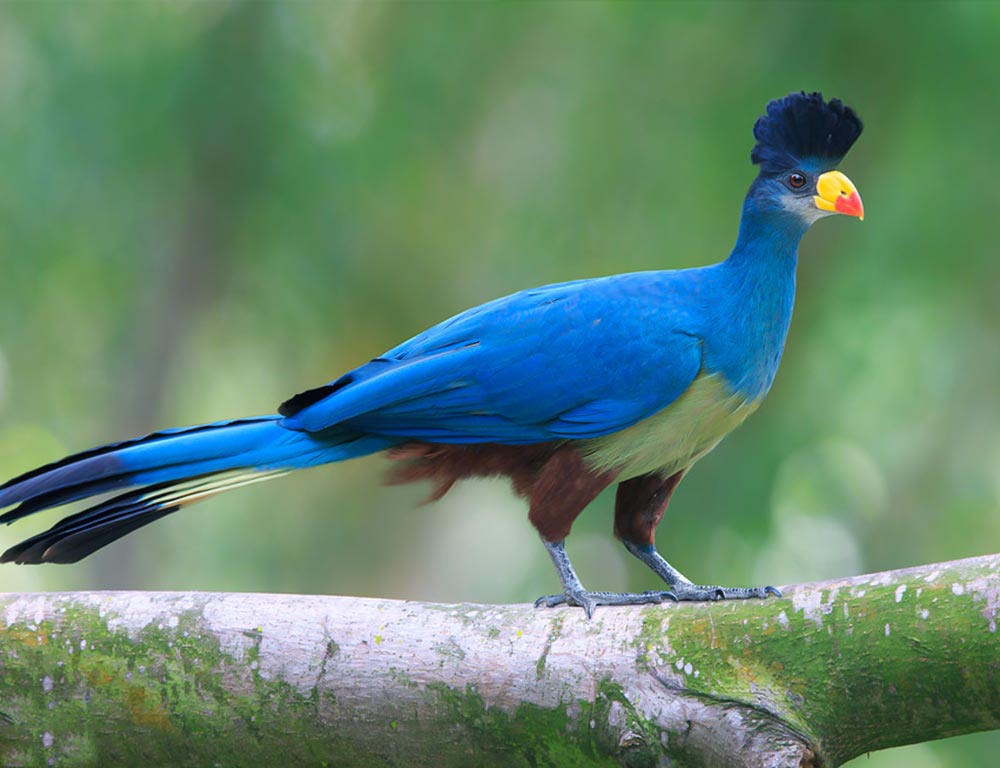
x: 79, y: 535
x: 173, y: 468
x: 157, y: 457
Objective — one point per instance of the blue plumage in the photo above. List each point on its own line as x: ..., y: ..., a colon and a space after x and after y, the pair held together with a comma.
x: 565, y: 388
x: 538, y: 365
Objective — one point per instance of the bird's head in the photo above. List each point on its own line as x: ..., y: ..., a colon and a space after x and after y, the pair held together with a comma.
x: 800, y: 141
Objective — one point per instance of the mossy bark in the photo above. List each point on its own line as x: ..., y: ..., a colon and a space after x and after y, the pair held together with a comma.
x: 828, y: 672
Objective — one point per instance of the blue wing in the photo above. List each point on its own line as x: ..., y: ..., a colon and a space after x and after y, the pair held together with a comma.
x: 573, y: 360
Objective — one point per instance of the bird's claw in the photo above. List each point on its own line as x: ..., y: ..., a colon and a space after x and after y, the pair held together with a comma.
x: 696, y: 593
x: 580, y: 598
x: 590, y: 600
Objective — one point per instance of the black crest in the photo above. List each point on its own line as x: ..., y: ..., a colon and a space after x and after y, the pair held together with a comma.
x: 802, y: 125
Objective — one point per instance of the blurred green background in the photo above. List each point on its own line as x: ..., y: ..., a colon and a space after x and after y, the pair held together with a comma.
x: 207, y: 207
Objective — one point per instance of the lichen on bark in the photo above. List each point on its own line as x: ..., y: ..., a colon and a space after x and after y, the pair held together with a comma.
x: 815, y: 678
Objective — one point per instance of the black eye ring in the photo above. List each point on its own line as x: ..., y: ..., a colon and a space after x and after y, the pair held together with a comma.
x: 796, y: 181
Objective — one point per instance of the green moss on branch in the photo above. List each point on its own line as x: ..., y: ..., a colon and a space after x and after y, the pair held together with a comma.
x: 829, y: 672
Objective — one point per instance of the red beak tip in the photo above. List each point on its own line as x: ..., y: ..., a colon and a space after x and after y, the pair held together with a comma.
x: 850, y: 205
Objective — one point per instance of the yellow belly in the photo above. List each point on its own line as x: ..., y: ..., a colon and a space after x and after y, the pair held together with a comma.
x: 674, y: 438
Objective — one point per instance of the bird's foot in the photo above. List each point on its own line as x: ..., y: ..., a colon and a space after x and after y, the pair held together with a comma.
x: 696, y: 592
x: 682, y: 587
x: 590, y: 600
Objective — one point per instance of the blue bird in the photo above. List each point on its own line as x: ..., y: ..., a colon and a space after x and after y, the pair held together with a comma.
x: 565, y: 389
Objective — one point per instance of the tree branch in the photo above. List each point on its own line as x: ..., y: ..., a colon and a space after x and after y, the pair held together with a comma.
x: 832, y: 670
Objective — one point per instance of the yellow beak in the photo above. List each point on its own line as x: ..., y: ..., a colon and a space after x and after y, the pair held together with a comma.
x: 836, y: 193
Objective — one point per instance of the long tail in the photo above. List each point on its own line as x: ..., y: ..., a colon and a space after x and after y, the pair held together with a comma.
x: 173, y: 468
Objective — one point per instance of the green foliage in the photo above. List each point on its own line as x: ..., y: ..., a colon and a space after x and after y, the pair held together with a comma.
x: 207, y: 207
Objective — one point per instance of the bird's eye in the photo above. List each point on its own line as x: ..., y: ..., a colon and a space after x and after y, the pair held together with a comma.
x: 796, y: 181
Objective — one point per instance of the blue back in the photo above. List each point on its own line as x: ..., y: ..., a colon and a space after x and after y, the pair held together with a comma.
x: 572, y: 360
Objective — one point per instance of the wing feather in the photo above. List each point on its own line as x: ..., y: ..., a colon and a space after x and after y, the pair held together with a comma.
x: 570, y: 361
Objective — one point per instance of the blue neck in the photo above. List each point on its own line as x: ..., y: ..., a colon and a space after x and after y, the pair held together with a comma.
x: 758, y: 283
x: 767, y: 232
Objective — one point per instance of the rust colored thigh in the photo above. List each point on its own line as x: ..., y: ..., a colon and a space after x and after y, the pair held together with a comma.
x: 563, y: 488
x: 640, y: 504
x: 552, y: 476
x: 444, y: 465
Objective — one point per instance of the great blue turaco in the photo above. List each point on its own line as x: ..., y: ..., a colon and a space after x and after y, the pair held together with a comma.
x: 565, y: 389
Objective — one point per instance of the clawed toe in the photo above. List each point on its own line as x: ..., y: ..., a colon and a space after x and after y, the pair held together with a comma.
x: 581, y: 599
x: 590, y: 600
x: 550, y: 601
x: 696, y: 593
x: 662, y: 595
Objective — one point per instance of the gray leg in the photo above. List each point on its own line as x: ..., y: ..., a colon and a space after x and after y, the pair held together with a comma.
x: 575, y: 594
x: 681, y: 586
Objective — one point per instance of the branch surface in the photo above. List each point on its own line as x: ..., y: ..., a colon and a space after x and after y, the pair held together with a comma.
x: 830, y: 671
